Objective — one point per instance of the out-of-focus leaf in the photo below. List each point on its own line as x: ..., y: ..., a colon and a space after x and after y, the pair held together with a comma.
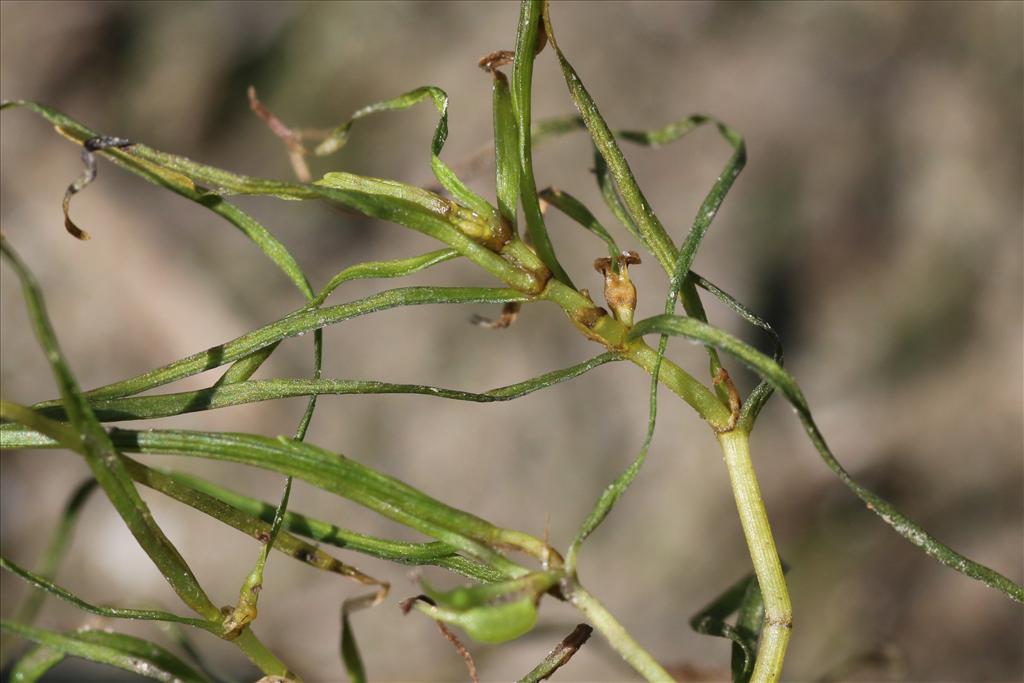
x: 34, y: 664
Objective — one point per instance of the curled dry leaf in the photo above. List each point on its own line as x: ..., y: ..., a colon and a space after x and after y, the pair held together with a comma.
x: 91, y: 145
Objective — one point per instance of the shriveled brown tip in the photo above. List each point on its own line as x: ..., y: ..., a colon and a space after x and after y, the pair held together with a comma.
x: 69, y: 224
x: 630, y: 258
x: 603, y: 265
x: 292, y: 139
x: 406, y: 605
x: 76, y: 231
x: 509, y: 313
x: 496, y: 59
x: 735, y: 403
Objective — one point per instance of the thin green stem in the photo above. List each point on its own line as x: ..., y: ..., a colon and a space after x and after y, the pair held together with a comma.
x: 263, y: 658
x: 616, y: 635
x: 778, y: 613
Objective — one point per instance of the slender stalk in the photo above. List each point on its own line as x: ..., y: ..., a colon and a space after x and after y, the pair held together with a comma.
x: 616, y: 635
x: 263, y: 658
x: 778, y: 613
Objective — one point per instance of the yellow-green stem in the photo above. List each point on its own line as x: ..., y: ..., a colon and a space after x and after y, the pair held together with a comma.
x: 617, y: 636
x: 263, y: 658
x: 778, y: 613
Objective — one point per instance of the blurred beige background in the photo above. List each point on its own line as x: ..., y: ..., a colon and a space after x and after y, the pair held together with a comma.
x: 878, y: 225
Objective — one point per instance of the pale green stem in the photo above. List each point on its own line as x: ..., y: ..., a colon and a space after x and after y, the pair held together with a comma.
x: 617, y: 636
x: 263, y: 658
x: 778, y: 613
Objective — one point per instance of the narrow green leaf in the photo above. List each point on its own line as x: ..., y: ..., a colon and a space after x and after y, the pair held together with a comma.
x: 442, y: 172
x: 648, y: 225
x: 787, y: 386
x: 248, y: 522
x: 57, y: 548
x: 251, y: 228
x: 610, y: 496
x: 350, y: 657
x: 711, y: 621
x: 383, y: 199
x: 763, y: 391
x: 297, y: 324
x: 50, y: 587
x: 103, y: 459
x: 384, y: 269
x: 344, y: 477
x: 114, y: 649
x: 165, y: 405
x: 749, y: 622
x: 527, y: 37
x: 641, y: 215
x: 401, y: 552
x: 506, y: 151
x: 349, y: 649
x: 610, y: 195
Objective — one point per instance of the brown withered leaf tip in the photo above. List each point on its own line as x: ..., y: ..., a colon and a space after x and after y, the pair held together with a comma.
x: 292, y: 139
x: 569, y: 645
x: 629, y: 258
x: 498, y: 58
x: 735, y: 403
x: 509, y: 313
x: 91, y: 145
